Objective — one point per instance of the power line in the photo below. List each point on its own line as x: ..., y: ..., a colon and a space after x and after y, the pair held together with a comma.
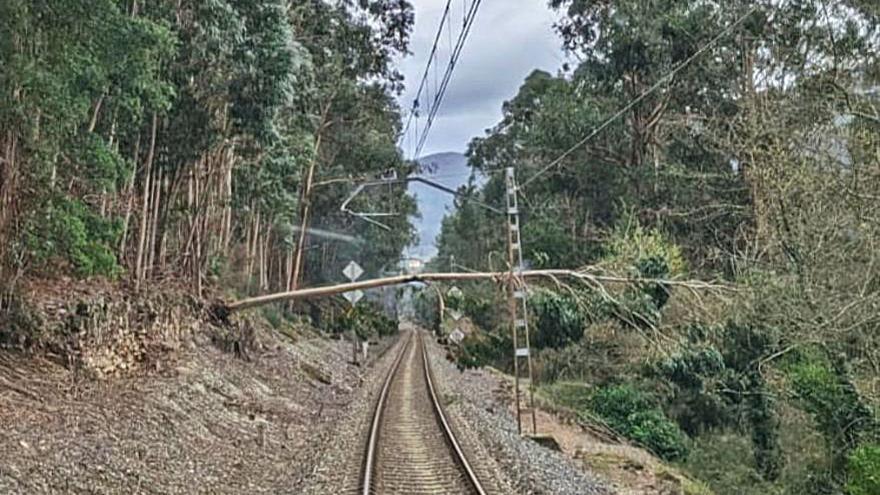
x: 468, y: 23
x: 663, y: 80
x: 426, y: 73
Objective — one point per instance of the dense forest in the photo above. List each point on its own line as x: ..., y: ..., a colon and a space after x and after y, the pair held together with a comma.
x: 200, y: 141
x: 754, y: 164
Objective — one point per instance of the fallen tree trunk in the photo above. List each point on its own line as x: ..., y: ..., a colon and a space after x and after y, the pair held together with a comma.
x: 331, y: 290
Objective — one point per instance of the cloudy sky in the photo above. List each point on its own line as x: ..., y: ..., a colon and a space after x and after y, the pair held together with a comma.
x: 509, y: 39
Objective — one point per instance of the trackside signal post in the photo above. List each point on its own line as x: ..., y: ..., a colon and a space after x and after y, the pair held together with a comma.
x: 518, y: 301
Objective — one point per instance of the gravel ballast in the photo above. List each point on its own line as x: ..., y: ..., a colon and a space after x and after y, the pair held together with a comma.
x: 479, y: 406
x: 337, y: 465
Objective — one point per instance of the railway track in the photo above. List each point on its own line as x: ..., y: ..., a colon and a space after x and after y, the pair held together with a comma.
x: 411, y: 448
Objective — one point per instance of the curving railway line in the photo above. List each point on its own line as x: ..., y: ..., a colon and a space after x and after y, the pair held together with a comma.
x: 411, y: 448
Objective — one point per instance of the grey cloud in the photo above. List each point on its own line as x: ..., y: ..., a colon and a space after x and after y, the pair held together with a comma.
x: 506, y: 44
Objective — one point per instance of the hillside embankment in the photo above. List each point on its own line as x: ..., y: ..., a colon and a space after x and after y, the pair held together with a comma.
x: 105, y: 391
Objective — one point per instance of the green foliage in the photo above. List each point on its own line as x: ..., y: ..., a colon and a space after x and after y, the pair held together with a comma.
x: 103, y: 169
x: 628, y: 411
x: 484, y: 349
x: 273, y: 315
x: 559, y: 319
x: 695, y: 377
x: 655, y: 431
x: 723, y: 460
x: 643, y: 254
x: 825, y: 391
x: 366, y: 320
x: 863, y: 471
x: 633, y: 414
x: 753, y: 164
x: 647, y: 252
x: 247, y: 86
x: 484, y: 306
x: 690, y: 368
x: 69, y: 231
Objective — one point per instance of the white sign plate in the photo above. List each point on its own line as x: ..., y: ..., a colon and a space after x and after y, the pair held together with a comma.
x: 456, y: 336
x: 455, y: 314
x: 522, y: 352
x: 353, y: 296
x: 353, y: 271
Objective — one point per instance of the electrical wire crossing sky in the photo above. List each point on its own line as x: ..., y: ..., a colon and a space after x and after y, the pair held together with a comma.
x: 507, y: 41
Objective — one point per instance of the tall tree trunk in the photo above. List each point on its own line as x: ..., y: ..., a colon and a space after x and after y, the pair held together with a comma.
x: 94, y: 122
x: 305, y: 199
x: 752, y: 176
x: 142, y: 237
x: 152, y: 245
x: 227, y: 206
x: 197, y: 249
x: 266, y: 239
x: 252, y: 237
x: 8, y: 163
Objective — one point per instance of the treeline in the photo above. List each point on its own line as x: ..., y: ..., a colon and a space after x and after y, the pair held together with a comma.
x: 755, y: 161
x: 196, y: 139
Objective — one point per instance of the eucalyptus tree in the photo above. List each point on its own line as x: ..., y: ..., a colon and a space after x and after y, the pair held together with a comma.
x: 180, y: 138
x: 75, y: 77
x: 347, y: 110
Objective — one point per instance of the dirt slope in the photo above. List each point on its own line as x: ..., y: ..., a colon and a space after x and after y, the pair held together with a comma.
x: 208, y: 421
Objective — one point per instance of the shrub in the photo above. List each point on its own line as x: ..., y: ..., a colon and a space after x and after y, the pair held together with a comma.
x: 693, y: 377
x: 482, y: 349
x: 863, y: 471
x: 68, y: 230
x: 647, y: 250
x: 273, y: 315
x: 616, y: 403
x: 483, y: 309
x: 654, y: 430
x: 559, y: 319
x: 366, y: 320
x: 825, y: 391
x: 690, y: 368
x: 632, y: 414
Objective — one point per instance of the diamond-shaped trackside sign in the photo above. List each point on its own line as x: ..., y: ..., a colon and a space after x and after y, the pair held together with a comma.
x: 455, y: 314
x: 353, y: 271
x: 454, y: 292
x: 354, y: 296
x: 456, y: 336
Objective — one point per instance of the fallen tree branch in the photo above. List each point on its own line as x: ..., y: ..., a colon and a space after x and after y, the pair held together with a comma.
x: 582, y: 275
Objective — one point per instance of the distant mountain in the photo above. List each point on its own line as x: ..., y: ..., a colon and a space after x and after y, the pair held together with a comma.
x: 452, y: 171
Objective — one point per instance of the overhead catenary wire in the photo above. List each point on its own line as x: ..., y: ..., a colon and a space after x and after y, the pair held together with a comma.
x: 635, y: 101
x: 426, y: 74
x: 467, y: 25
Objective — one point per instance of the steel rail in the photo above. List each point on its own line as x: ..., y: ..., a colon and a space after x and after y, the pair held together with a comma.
x: 373, y: 441
x: 370, y: 466
x: 471, y: 476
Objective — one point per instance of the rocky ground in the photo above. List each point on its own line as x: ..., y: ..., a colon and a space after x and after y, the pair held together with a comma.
x: 589, y: 460
x: 337, y: 465
x: 208, y: 422
x: 289, y: 416
x: 479, y: 403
